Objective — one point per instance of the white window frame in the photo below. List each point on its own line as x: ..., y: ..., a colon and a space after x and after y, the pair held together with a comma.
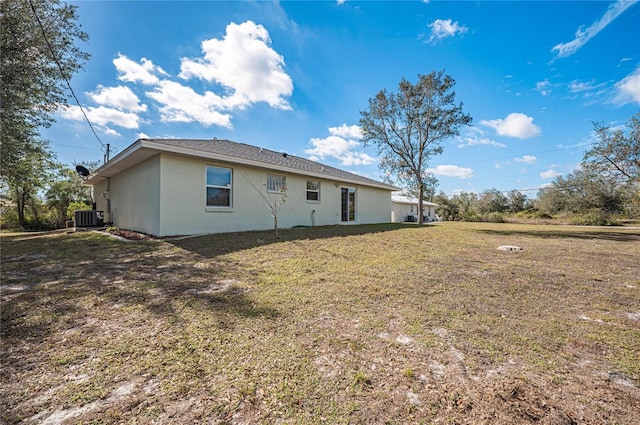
x: 313, y: 201
x: 228, y: 187
x: 276, y: 183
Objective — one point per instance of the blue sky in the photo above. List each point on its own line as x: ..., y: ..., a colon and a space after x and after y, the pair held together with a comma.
x: 294, y: 76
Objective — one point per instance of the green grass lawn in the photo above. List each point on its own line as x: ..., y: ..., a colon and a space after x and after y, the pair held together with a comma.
x: 340, y: 324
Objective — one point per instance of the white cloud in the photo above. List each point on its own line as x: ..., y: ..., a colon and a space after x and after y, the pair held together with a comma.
x: 583, y: 35
x: 527, y: 159
x: 580, y: 86
x: 514, y: 125
x: 111, y: 132
x: 121, y: 97
x: 340, y: 145
x: 550, y: 174
x: 133, y: 72
x: 241, y: 64
x: 476, y: 136
x: 473, y: 140
x: 443, y: 28
x: 183, y: 104
x: 451, y: 171
x: 628, y: 89
x: 349, y: 131
x: 102, y: 116
x: 245, y: 65
x: 544, y: 87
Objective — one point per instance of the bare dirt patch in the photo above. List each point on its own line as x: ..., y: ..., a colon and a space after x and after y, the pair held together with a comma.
x: 326, y: 325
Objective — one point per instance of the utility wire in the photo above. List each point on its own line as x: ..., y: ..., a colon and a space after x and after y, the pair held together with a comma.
x: 520, y: 154
x: 55, y: 59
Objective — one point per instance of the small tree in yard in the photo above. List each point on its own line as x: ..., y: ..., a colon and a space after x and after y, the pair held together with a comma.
x: 409, y: 127
x: 273, y: 202
x: 273, y: 205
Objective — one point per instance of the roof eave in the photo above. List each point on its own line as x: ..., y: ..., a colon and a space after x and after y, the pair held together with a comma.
x: 110, y: 168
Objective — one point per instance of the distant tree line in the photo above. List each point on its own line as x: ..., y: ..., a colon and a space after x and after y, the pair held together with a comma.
x: 604, y: 189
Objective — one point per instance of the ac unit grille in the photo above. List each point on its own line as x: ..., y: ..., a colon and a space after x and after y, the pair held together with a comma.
x: 91, y: 218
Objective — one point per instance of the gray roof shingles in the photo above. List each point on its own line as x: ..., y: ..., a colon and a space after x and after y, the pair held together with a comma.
x: 268, y: 157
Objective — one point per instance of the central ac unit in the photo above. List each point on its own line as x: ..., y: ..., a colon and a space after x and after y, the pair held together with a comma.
x: 91, y: 218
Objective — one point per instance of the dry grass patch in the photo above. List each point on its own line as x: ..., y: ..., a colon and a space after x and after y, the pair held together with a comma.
x: 346, y: 324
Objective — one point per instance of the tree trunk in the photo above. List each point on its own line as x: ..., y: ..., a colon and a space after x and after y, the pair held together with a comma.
x: 420, y: 209
x: 20, y: 201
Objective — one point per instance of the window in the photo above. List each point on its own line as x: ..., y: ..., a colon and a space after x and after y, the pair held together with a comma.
x: 218, y: 186
x: 313, y: 191
x: 276, y: 183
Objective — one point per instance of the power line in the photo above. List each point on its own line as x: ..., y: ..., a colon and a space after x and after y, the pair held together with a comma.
x: 76, y: 147
x: 516, y: 155
x: 62, y: 74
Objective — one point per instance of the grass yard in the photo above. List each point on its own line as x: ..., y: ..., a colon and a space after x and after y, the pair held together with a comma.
x: 382, y: 324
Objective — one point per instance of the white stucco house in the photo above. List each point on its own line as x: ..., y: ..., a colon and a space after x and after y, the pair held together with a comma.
x: 166, y: 187
x: 405, y: 208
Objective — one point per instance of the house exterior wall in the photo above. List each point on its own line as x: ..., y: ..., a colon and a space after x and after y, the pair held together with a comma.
x: 400, y: 211
x: 429, y: 212
x: 166, y: 195
x: 374, y: 205
x: 134, y: 197
x: 99, y: 193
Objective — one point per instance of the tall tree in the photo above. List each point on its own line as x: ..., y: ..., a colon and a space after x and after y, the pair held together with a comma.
x: 466, y: 205
x: 517, y: 201
x: 583, y: 191
x: 38, y: 56
x: 409, y: 127
x: 492, y: 200
x: 28, y: 174
x: 447, y: 210
x: 616, y: 152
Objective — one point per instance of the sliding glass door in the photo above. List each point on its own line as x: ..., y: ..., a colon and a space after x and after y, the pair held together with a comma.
x: 348, y: 195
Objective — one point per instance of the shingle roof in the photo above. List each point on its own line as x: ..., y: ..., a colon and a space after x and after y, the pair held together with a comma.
x: 243, y: 152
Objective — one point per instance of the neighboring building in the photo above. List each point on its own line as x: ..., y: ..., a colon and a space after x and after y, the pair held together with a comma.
x: 405, y: 208
x: 167, y: 187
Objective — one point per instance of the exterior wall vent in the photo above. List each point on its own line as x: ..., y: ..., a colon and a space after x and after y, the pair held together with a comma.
x: 91, y: 218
